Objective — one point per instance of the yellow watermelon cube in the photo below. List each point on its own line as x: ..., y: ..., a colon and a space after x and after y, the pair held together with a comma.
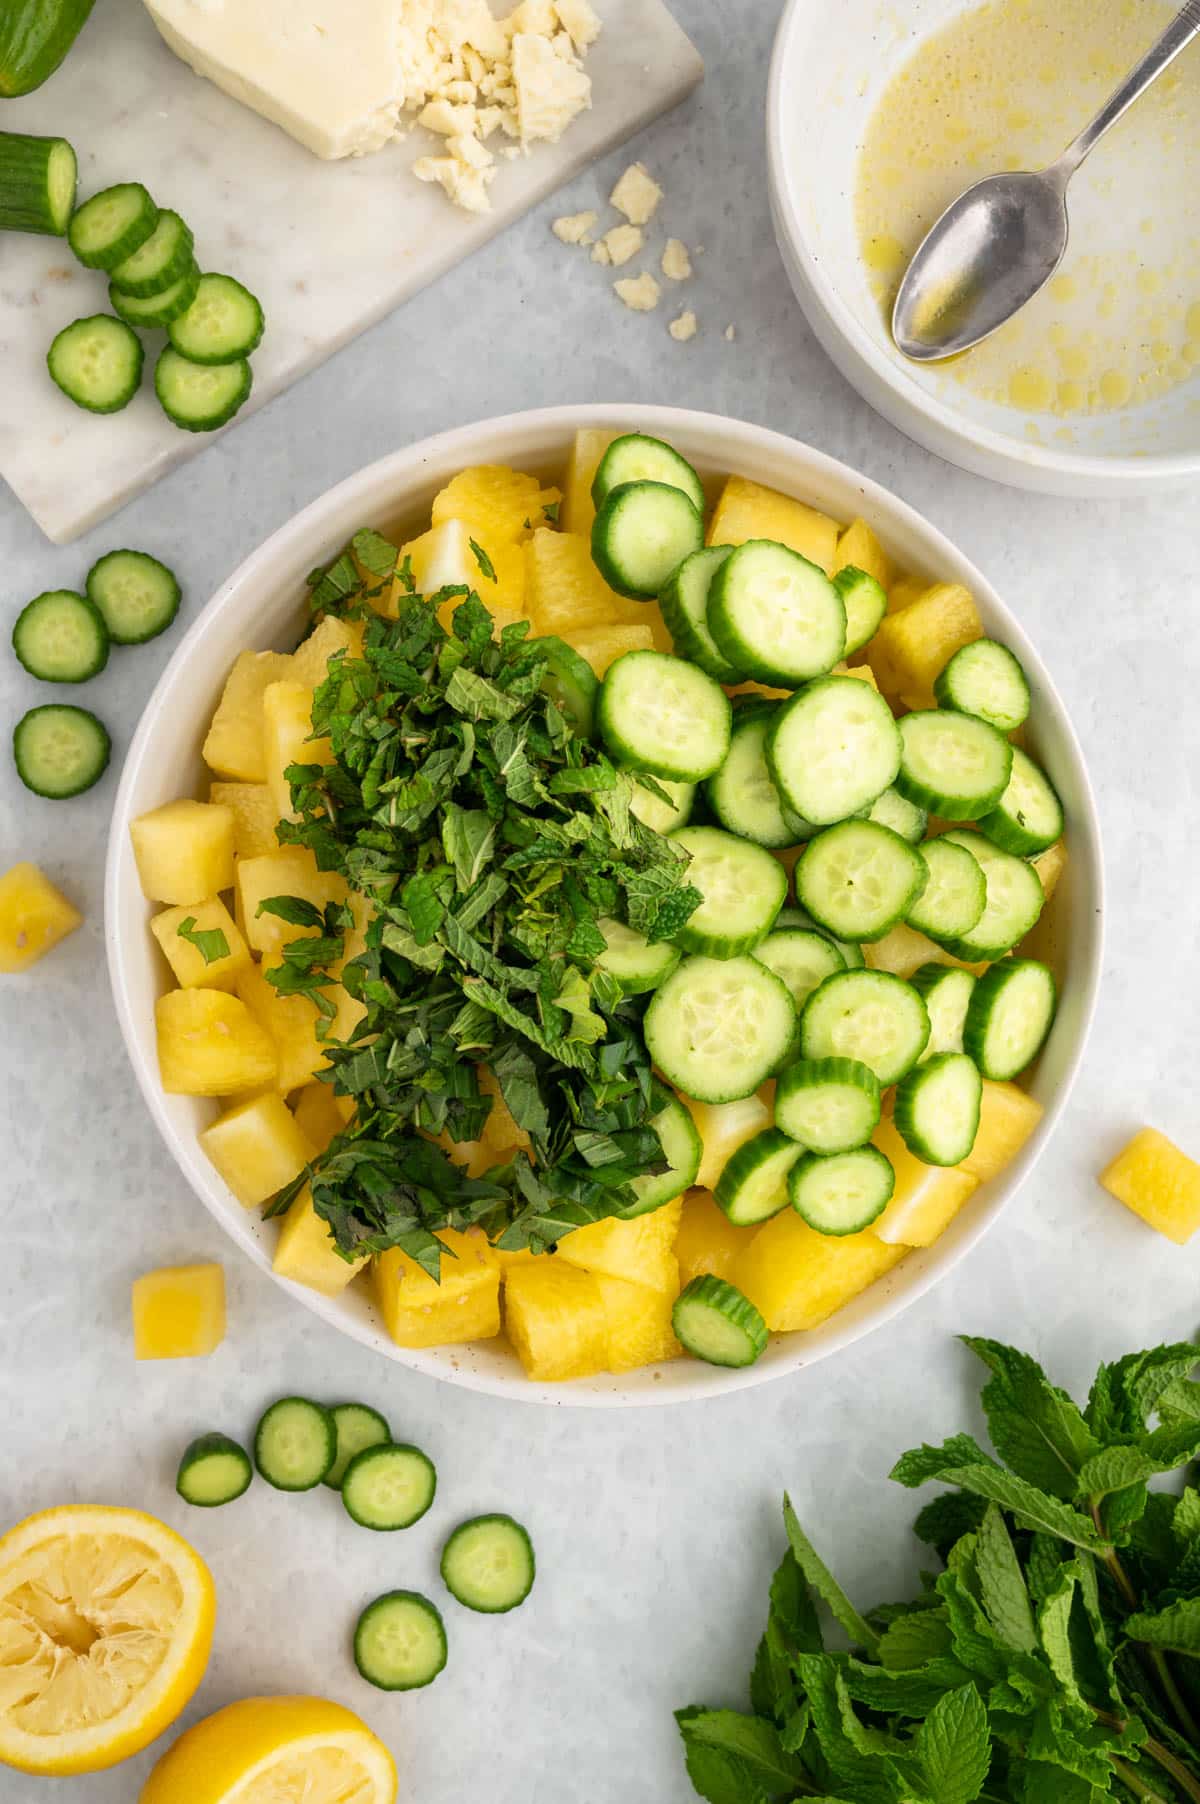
x: 306, y: 1252
x: 798, y: 1278
x: 602, y: 646
x: 291, y: 871
x: 310, y: 660
x: 1158, y: 1182
x: 564, y: 591
x: 498, y: 504
x: 859, y: 546
x: 746, y: 510
x: 904, y: 590
x: 258, y: 1147
x: 178, y: 1312
x: 464, y: 1306
x: 254, y: 816
x: 637, y: 1324
x: 926, y: 1198
x: 192, y: 969
x: 290, y: 1022
x: 1007, y: 1117
x: 34, y: 916
x: 209, y: 1044
x: 288, y: 739
x: 591, y: 442
x: 555, y: 1318
x: 903, y: 950
x: 320, y: 1115
x: 707, y: 1241
x: 234, y: 746
x: 723, y: 1127
x: 912, y: 647
x: 1050, y: 866
x: 183, y: 851
x: 641, y: 1250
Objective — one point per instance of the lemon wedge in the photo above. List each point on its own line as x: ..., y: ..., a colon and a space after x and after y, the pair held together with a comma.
x: 274, y: 1750
x: 106, y: 1620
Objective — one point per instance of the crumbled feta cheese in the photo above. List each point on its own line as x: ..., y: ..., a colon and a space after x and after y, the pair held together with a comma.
x: 446, y: 119
x: 550, y: 89
x: 601, y: 253
x: 675, y: 260
x: 730, y: 333
x: 640, y: 294
x: 622, y: 243
x: 577, y: 17
x: 537, y: 16
x: 683, y: 328
x: 466, y: 187
x: 573, y: 228
x: 636, y: 195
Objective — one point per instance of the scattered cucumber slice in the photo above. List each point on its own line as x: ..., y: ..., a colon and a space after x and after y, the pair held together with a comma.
x: 659, y: 815
x: 572, y: 683
x: 718, y: 1027
x: 905, y: 818
x: 295, y: 1444
x: 488, y: 1564
x: 200, y: 397
x: 112, y: 225
x: 865, y: 601
x: 388, y: 1487
x: 947, y: 991
x: 716, y: 1323
x: 97, y: 362
x: 753, y: 1185
x: 937, y: 1108
x: 637, y: 963
x: 1028, y: 818
x: 1009, y: 1015
x: 214, y: 1470
x: 356, y: 1427
x: 60, y: 751
x: 137, y: 596
x: 400, y: 1642
x: 223, y: 324
x: 1015, y: 899
x: 833, y: 749
x: 60, y: 637
x: 683, y: 1151
x: 985, y: 679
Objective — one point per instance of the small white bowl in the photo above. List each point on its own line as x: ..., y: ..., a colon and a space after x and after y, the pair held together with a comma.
x: 261, y: 606
x: 829, y: 68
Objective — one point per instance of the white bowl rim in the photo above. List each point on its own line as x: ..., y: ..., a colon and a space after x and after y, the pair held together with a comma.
x: 392, y: 471
x: 1088, y: 473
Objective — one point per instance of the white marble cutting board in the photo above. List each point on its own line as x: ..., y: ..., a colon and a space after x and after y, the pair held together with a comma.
x: 330, y: 248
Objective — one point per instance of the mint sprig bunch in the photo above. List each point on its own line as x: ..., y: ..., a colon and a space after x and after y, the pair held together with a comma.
x: 1054, y: 1657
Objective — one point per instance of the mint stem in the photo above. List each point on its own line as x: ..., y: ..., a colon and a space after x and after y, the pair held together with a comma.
x: 1132, y: 1782
x: 1175, y: 1769
x: 1157, y: 1658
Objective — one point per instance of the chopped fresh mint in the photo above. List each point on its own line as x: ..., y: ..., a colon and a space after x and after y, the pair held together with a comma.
x: 483, y: 560
x: 209, y: 942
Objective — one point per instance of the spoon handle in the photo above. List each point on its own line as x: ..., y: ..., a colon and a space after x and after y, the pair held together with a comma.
x: 1178, y: 35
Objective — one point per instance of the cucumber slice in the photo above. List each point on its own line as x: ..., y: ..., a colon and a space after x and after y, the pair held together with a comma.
x: 97, y: 362
x: 718, y: 1027
x: 37, y: 184
x: 1029, y: 816
x: 388, y: 1487
x: 828, y: 1105
x: 797, y: 918
x: 775, y: 615
x: 865, y: 601
x: 113, y: 224
x: 60, y: 637
x: 1010, y: 1014
x: 683, y: 1151
x: 743, y: 888
x: 937, y: 1108
x: 356, y: 1426
x: 200, y: 397
x: 952, y: 764
x: 859, y: 879
x: 664, y: 716
x: 947, y: 992
x: 641, y: 536
x: 213, y: 1470
x: 833, y: 749
x: 488, y: 1564
x: 636, y: 963
x: 400, y: 1642
x: 717, y: 1324
x: 684, y: 606
x: 1015, y: 899
x: 572, y: 683
x: 223, y: 324
x: 842, y: 1193
x: 953, y: 899
x: 743, y: 795
x: 156, y: 309
x: 295, y: 1444
x: 137, y: 596
x: 161, y: 260
x: 870, y: 1016
x: 903, y: 817
x: 985, y: 679
x: 659, y: 815
x: 637, y: 458
x: 753, y: 1185
x: 801, y: 958
x: 60, y: 751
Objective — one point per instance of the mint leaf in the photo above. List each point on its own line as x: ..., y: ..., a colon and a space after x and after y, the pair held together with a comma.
x: 1032, y: 1508
x: 751, y: 1759
x: 914, y: 1640
x: 954, y: 1747
x: 479, y: 699
x: 1054, y: 1632
x: 1035, y: 1427
x: 1175, y: 1629
x: 1120, y: 1467
x: 1185, y: 1523
x: 293, y: 909
x: 913, y: 1693
x: 209, y: 942
x: 947, y: 1519
x: 924, y: 1463
x: 824, y: 1584
x: 1126, y: 1393
x: 865, y: 1771
x: 469, y: 841
x: 483, y: 560
x: 1003, y: 1591
x: 374, y: 552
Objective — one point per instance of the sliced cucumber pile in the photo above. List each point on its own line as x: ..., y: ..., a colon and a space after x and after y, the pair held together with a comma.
x: 716, y: 1323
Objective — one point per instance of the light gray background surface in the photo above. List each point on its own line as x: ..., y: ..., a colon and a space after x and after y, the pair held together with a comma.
x: 655, y: 1530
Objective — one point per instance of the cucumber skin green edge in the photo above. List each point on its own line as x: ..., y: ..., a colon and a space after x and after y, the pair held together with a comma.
x: 34, y: 40
x: 211, y: 422
x: 103, y: 740
x: 717, y: 1294
x: 335, y: 1484
x: 176, y: 328
x: 98, y: 571
x: 988, y: 987
x: 139, y: 365
x: 367, y: 1457
x: 204, y: 1447
x: 126, y: 306
x: 522, y: 1534
x: 308, y: 1403
x: 122, y: 248
x: 89, y: 606
x: 600, y: 531
x: 430, y: 1609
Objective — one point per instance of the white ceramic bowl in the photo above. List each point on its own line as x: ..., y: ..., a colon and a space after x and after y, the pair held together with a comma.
x: 261, y: 606
x: 830, y: 65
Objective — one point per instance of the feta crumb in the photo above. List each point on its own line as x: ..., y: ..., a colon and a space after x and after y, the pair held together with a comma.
x: 446, y: 119
x: 683, y: 328
x: 550, y: 89
x: 640, y: 294
x: 577, y: 17
x: 573, y: 228
x: 622, y: 243
x: 536, y: 16
x: 466, y: 187
x: 731, y: 333
x: 601, y: 253
x: 676, y: 264
x: 636, y: 195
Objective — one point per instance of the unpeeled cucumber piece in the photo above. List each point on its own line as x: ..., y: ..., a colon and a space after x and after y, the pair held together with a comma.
x: 37, y: 184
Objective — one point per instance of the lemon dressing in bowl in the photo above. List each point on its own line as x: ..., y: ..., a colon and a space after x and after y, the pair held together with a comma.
x: 1006, y: 86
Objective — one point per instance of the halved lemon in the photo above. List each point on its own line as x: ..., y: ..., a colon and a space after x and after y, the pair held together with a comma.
x: 106, y: 1620
x: 275, y: 1751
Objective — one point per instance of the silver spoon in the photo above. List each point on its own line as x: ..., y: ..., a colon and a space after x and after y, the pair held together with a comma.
x: 1002, y: 240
